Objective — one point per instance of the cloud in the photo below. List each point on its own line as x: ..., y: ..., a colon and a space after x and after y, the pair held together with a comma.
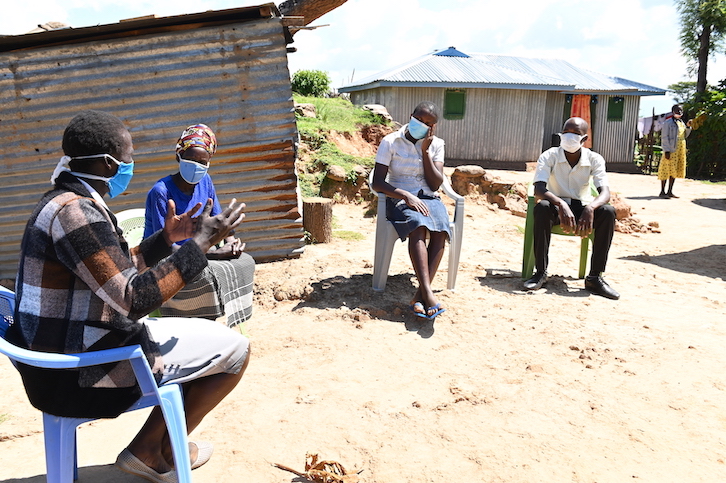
x: 633, y: 39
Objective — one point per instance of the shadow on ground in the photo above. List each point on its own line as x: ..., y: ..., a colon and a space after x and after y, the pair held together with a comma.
x: 691, y: 261
x: 355, y: 292
x: 509, y: 281
x: 87, y: 474
x: 713, y: 203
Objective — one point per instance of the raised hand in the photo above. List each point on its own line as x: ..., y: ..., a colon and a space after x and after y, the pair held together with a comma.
x: 211, y: 230
x: 179, y: 227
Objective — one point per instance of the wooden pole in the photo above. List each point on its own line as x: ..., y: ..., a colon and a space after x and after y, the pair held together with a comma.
x: 318, y: 219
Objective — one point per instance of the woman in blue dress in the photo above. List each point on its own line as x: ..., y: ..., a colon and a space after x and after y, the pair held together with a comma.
x: 409, y: 170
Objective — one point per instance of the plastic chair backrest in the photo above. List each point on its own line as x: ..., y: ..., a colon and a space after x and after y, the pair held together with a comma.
x: 60, y: 444
x: 132, y: 223
x: 386, y: 237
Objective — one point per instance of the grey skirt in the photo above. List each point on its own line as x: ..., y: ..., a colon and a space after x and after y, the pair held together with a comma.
x: 406, y: 219
x: 225, y: 287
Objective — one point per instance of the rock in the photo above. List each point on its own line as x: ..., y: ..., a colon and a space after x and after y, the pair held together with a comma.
x: 379, y: 110
x: 336, y: 173
x: 517, y: 206
x: 622, y: 209
x: 305, y: 110
x: 499, y: 187
x: 467, y: 180
x: 469, y: 171
x: 520, y: 189
x: 498, y: 199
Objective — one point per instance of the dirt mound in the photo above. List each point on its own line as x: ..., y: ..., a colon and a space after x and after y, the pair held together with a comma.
x: 363, y: 143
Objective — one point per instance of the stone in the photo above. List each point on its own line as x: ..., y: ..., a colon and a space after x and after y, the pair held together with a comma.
x: 622, y: 209
x: 379, y: 110
x: 336, y: 173
x: 469, y: 171
x: 305, y: 110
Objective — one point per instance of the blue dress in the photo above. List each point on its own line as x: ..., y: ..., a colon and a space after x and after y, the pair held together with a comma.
x: 165, y: 189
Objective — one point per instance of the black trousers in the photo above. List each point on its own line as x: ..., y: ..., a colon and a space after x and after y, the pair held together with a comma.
x: 546, y: 216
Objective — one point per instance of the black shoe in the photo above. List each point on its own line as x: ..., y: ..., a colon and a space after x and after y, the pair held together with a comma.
x: 536, y: 282
x: 598, y: 286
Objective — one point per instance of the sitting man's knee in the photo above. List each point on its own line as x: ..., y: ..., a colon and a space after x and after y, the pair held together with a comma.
x: 607, y: 211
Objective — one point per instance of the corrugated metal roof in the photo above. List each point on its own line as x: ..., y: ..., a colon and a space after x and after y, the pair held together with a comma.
x: 231, y: 75
x: 452, y: 68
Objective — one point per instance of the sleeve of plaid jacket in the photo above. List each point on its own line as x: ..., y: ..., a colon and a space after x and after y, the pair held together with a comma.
x: 86, y: 242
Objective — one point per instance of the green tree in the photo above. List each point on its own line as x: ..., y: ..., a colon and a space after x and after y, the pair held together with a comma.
x: 703, y: 26
x: 683, y: 91
x: 707, y: 144
x: 315, y: 83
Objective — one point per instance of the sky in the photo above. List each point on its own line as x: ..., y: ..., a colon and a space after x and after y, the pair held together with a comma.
x: 633, y: 39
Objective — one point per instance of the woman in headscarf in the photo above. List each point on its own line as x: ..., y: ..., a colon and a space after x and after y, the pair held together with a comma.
x: 225, y: 286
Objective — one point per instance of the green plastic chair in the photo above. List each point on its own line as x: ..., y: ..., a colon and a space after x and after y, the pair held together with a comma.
x: 528, y: 256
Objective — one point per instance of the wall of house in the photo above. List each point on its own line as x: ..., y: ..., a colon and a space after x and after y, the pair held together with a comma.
x: 233, y: 77
x: 501, y: 125
x: 615, y: 140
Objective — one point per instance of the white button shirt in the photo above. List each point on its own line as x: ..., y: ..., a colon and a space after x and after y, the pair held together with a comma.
x: 568, y: 182
x: 405, y: 160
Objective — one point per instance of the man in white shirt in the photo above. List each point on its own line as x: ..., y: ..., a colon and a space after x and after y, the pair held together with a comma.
x: 562, y: 190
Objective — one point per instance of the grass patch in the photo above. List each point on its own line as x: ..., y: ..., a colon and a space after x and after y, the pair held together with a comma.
x: 706, y: 181
x: 348, y: 235
x: 334, y: 114
x: 4, y: 417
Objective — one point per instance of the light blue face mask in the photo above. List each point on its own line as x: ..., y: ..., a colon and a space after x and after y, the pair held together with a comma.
x: 117, y: 183
x: 191, y: 171
x: 417, y: 129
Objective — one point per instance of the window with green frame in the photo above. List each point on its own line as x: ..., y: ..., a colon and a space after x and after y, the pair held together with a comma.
x: 454, y: 101
x: 615, y: 108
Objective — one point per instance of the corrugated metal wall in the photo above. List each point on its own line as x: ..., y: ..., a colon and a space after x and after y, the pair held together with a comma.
x: 615, y: 140
x: 553, y: 118
x: 499, y: 124
x: 233, y: 77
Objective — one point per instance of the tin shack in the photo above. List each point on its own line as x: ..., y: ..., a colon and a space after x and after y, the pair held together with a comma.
x: 225, y: 68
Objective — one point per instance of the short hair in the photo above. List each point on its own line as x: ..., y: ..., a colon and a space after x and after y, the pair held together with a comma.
x: 676, y: 106
x: 427, y: 106
x: 93, y: 132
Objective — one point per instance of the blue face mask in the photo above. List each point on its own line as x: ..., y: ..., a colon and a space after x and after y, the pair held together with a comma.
x: 117, y: 183
x: 417, y: 129
x: 191, y: 171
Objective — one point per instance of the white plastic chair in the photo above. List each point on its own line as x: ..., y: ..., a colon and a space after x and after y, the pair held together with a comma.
x: 132, y: 222
x: 60, y: 433
x: 386, y: 237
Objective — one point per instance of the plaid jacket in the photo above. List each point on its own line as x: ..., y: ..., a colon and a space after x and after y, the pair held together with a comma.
x: 80, y: 289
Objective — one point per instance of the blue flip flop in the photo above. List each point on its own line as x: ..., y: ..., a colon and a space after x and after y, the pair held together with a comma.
x: 438, y: 310
x: 418, y: 305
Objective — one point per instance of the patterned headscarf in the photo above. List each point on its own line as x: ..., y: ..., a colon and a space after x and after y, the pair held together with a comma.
x: 198, y: 135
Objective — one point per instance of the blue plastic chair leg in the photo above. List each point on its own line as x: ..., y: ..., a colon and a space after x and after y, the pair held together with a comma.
x: 172, y: 407
x: 61, y: 451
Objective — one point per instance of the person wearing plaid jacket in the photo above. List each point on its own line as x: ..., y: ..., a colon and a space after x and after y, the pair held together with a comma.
x: 79, y: 288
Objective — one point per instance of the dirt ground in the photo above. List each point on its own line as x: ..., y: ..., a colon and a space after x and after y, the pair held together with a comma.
x: 505, y: 386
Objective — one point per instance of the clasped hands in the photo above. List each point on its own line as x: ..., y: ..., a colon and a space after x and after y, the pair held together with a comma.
x: 205, y: 230
x: 581, y: 227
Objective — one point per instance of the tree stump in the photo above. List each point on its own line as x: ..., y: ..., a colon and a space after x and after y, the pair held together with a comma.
x: 318, y: 219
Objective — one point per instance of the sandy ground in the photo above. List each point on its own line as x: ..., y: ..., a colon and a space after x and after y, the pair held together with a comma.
x: 505, y: 386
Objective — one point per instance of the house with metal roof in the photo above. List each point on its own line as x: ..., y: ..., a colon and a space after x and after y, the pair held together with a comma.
x: 226, y: 68
x: 502, y: 111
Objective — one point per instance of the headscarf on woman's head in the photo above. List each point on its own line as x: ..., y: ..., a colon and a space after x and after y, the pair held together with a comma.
x: 198, y: 135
